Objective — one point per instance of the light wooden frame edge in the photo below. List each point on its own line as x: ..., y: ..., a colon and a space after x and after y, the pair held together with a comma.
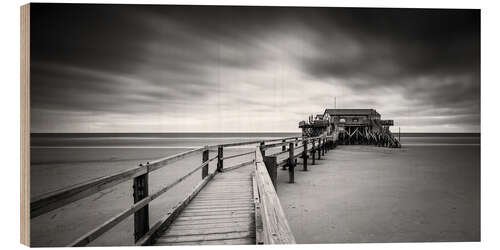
x: 25, y: 123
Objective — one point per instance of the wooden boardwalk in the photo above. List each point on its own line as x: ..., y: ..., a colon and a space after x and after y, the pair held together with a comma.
x: 222, y: 213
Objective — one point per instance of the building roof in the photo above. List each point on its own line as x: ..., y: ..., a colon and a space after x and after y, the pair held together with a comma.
x: 333, y: 112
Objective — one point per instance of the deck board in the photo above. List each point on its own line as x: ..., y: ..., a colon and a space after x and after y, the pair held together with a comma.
x: 222, y: 213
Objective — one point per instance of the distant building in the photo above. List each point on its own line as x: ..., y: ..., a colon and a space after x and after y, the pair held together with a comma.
x: 353, y: 126
x: 355, y: 117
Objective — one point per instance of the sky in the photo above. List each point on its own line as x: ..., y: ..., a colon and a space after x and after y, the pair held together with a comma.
x: 146, y: 68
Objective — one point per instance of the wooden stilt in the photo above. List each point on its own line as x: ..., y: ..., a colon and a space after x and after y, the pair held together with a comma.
x: 291, y: 162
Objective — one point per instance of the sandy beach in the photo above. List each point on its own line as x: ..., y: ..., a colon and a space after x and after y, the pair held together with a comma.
x: 370, y: 194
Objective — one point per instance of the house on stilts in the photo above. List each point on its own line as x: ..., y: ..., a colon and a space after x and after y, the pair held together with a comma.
x: 351, y: 127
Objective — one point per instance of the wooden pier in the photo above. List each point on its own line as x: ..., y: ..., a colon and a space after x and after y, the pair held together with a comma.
x: 232, y: 205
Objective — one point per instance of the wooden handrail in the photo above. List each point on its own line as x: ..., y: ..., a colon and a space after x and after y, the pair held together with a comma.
x: 275, y: 228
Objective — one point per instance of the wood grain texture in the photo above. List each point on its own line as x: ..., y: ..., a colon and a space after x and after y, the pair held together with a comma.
x: 276, y: 229
x: 25, y: 123
x: 220, y: 214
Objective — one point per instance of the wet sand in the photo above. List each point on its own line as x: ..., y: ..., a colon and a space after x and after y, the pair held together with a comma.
x: 370, y: 194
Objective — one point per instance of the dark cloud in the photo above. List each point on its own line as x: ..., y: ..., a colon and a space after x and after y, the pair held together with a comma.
x: 432, y: 56
x: 96, y: 65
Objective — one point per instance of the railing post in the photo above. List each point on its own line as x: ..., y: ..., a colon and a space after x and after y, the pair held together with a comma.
x: 291, y: 163
x: 141, y: 217
x: 323, y: 146
x: 283, y: 149
x: 313, y: 152
x: 296, y: 144
x: 319, y: 148
x: 220, y: 155
x: 271, y: 163
x: 204, y: 169
x: 304, y: 155
x: 262, y: 150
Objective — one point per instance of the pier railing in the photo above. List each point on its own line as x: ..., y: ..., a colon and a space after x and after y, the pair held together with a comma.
x: 144, y: 234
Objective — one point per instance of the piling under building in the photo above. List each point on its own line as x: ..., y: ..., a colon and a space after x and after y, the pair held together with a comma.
x: 352, y: 126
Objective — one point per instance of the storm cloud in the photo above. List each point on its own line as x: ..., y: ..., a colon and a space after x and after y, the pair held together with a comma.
x: 146, y: 68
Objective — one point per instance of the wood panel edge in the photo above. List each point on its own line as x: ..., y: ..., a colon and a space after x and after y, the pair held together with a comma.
x: 25, y: 123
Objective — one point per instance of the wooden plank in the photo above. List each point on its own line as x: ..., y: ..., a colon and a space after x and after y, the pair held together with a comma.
x: 167, y: 220
x: 217, y: 209
x: 217, y: 212
x: 212, y: 230
x: 224, y: 193
x: 203, y: 237
x: 241, y: 185
x: 217, y: 205
x: 240, y: 241
x: 221, y: 198
x: 275, y: 225
x: 209, y: 217
x: 224, y: 196
x: 215, y: 221
x: 247, y: 211
x: 180, y: 227
x: 235, y: 178
x: 228, y: 200
x: 229, y: 183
